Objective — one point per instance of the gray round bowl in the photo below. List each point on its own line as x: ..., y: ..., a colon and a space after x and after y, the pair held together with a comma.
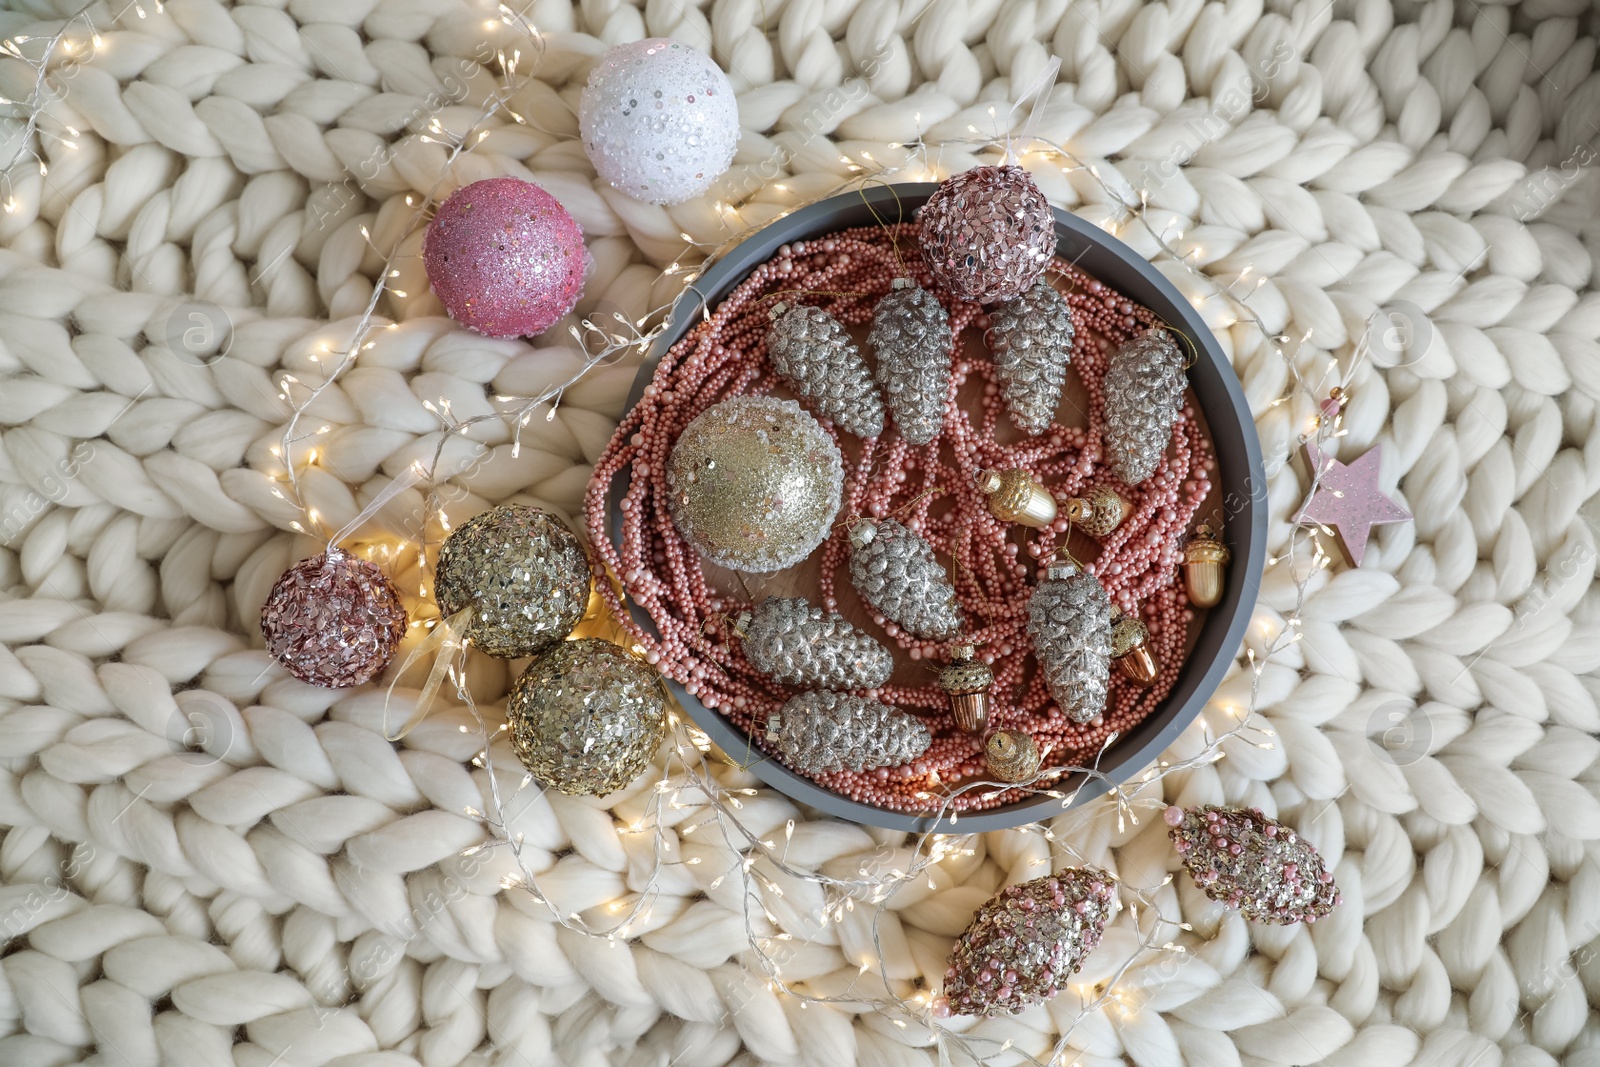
x: 1240, y: 484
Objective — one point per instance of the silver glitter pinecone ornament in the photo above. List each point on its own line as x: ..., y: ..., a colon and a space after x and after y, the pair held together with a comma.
x: 820, y: 732
x: 1143, y: 391
x: 586, y: 717
x: 911, y: 338
x: 1069, y: 621
x: 524, y: 574
x: 797, y: 643
x: 1247, y: 861
x: 896, y: 572
x: 1024, y: 944
x: 811, y: 350
x: 1031, y: 338
x: 987, y: 233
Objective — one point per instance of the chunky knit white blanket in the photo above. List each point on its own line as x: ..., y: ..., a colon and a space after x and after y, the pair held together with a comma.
x: 203, y: 859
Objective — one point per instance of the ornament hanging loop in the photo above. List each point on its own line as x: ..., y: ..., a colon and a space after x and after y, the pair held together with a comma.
x: 413, y: 474
x: 1039, y: 89
x: 445, y: 643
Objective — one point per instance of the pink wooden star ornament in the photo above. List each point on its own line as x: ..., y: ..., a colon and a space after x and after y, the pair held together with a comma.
x: 1348, y: 500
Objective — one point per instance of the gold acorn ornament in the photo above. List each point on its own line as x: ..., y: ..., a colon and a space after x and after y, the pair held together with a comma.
x: 1099, y: 511
x: 1204, y: 560
x: 1011, y: 756
x: 1014, y: 496
x: 967, y: 679
x: 1130, y: 649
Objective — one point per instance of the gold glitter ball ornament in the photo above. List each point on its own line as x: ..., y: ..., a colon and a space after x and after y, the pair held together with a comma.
x: 586, y: 717
x: 754, y: 483
x: 522, y: 572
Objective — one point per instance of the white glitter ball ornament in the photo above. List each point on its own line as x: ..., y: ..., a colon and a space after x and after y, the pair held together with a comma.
x: 659, y: 120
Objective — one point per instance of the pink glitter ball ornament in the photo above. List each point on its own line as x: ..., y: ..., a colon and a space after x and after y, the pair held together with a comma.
x: 505, y: 258
x: 987, y: 233
x: 333, y: 620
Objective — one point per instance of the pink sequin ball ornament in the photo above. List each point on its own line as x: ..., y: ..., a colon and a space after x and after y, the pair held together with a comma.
x: 1247, y: 861
x: 987, y: 234
x: 505, y: 258
x: 333, y: 620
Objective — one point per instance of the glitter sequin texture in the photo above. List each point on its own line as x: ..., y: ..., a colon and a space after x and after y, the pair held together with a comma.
x: 586, y: 717
x: 911, y: 338
x: 1247, y: 861
x: 819, y: 732
x: 505, y: 258
x: 754, y: 483
x: 1144, y: 389
x: 1069, y: 622
x: 987, y: 233
x: 333, y: 620
x: 896, y: 572
x: 1031, y: 338
x: 522, y: 572
x: 1011, y: 756
x: 797, y: 643
x: 1023, y: 945
x: 658, y: 120
x: 811, y: 350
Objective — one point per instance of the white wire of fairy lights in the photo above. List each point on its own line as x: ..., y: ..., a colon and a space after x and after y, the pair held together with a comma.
x: 689, y: 777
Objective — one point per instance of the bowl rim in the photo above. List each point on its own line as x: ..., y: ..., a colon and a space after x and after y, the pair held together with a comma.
x: 1234, y: 440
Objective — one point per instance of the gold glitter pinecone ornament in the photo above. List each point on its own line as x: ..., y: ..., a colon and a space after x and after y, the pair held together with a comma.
x: 967, y: 680
x: 812, y: 351
x: 1069, y: 621
x: 911, y: 338
x: 1099, y: 511
x: 1247, y: 861
x: 521, y: 571
x: 1025, y: 943
x: 1031, y: 338
x: 796, y: 643
x: 586, y: 717
x: 820, y: 732
x: 1143, y: 390
x: 896, y: 572
x: 1014, y: 496
x: 753, y: 483
x: 1011, y: 756
x: 1204, y: 561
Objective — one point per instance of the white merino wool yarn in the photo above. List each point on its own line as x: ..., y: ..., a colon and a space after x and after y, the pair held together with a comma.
x: 659, y: 120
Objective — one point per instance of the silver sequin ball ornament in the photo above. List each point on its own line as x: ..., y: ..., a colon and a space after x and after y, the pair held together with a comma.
x: 987, y: 233
x: 754, y: 483
x: 586, y: 717
x: 522, y: 572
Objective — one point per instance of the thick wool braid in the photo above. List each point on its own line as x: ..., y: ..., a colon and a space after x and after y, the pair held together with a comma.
x: 810, y: 350
x: 1031, y: 338
x: 212, y: 861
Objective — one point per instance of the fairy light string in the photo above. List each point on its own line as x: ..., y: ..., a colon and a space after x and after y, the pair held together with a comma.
x: 691, y: 776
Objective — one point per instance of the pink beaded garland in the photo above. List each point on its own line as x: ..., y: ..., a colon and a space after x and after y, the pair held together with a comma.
x: 505, y: 258
x: 724, y: 356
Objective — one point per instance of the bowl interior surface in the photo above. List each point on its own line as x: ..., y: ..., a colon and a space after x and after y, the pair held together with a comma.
x: 1239, y: 481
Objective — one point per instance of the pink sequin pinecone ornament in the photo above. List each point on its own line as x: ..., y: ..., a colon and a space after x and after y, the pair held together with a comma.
x: 1023, y: 945
x: 505, y: 258
x: 333, y: 620
x: 1247, y: 861
x: 987, y: 234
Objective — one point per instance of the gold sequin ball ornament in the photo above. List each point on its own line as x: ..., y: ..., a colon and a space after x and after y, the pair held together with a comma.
x: 521, y: 571
x: 754, y: 483
x: 1204, y: 560
x: 586, y: 717
x: 967, y: 680
x: 1014, y: 496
